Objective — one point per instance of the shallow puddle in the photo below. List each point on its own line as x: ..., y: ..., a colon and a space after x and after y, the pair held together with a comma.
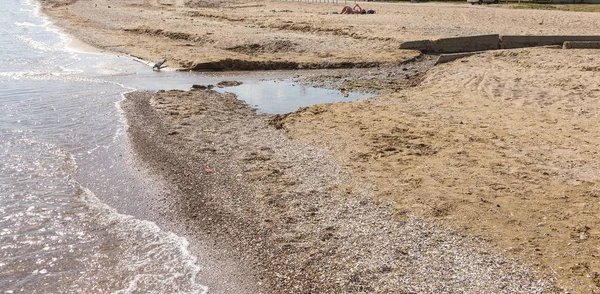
x: 283, y: 96
x: 272, y: 92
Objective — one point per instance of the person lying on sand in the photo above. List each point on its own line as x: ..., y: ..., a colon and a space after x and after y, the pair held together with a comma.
x: 353, y: 10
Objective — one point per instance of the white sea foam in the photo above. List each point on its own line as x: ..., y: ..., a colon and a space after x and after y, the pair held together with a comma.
x: 36, y: 44
x: 28, y: 24
x: 33, y: 8
x: 35, y: 11
x: 158, y: 259
x: 70, y: 76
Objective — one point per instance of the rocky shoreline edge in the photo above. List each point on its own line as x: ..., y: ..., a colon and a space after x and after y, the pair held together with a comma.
x: 289, y: 214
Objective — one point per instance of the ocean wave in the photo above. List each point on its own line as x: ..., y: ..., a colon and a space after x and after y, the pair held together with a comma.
x: 60, y: 76
x: 37, y: 45
x: 150, y: 259
x: 28, y: 24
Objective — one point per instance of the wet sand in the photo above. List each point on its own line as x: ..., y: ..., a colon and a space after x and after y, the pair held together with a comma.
x: 478, y: 175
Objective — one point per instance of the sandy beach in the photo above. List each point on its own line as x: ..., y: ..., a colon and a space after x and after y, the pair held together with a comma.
x: 478, y: 175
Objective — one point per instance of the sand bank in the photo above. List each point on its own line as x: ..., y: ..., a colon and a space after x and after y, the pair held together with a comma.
x: 221, y: 35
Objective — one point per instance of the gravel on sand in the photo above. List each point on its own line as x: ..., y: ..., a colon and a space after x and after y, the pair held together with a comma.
x: 291, y: 213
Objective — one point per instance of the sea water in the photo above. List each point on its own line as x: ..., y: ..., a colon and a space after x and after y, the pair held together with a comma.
x: 65, y: 167
x: 59, y: 121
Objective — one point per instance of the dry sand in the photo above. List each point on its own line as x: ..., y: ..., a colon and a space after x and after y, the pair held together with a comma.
x: 385, y: 194
x: 502, y: 145
x: 278, y: 34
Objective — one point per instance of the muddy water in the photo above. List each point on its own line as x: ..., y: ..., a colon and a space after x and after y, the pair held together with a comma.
x: 66, y: 167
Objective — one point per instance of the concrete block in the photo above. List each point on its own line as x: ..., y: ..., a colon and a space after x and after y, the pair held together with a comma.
x: 443, y: 58
x: 454, y: 45
x: 581, y: 45
x: 511, y: 42
x: 416, y: 45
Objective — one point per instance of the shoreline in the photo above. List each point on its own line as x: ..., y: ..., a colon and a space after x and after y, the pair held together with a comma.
x: 492, y: 146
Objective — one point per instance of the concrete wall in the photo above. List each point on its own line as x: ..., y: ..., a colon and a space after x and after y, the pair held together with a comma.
x: 454, y: 45
x: 490, y: 42
x: 581, y: 45
x: 510, y: 42
x: 443, y: 58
